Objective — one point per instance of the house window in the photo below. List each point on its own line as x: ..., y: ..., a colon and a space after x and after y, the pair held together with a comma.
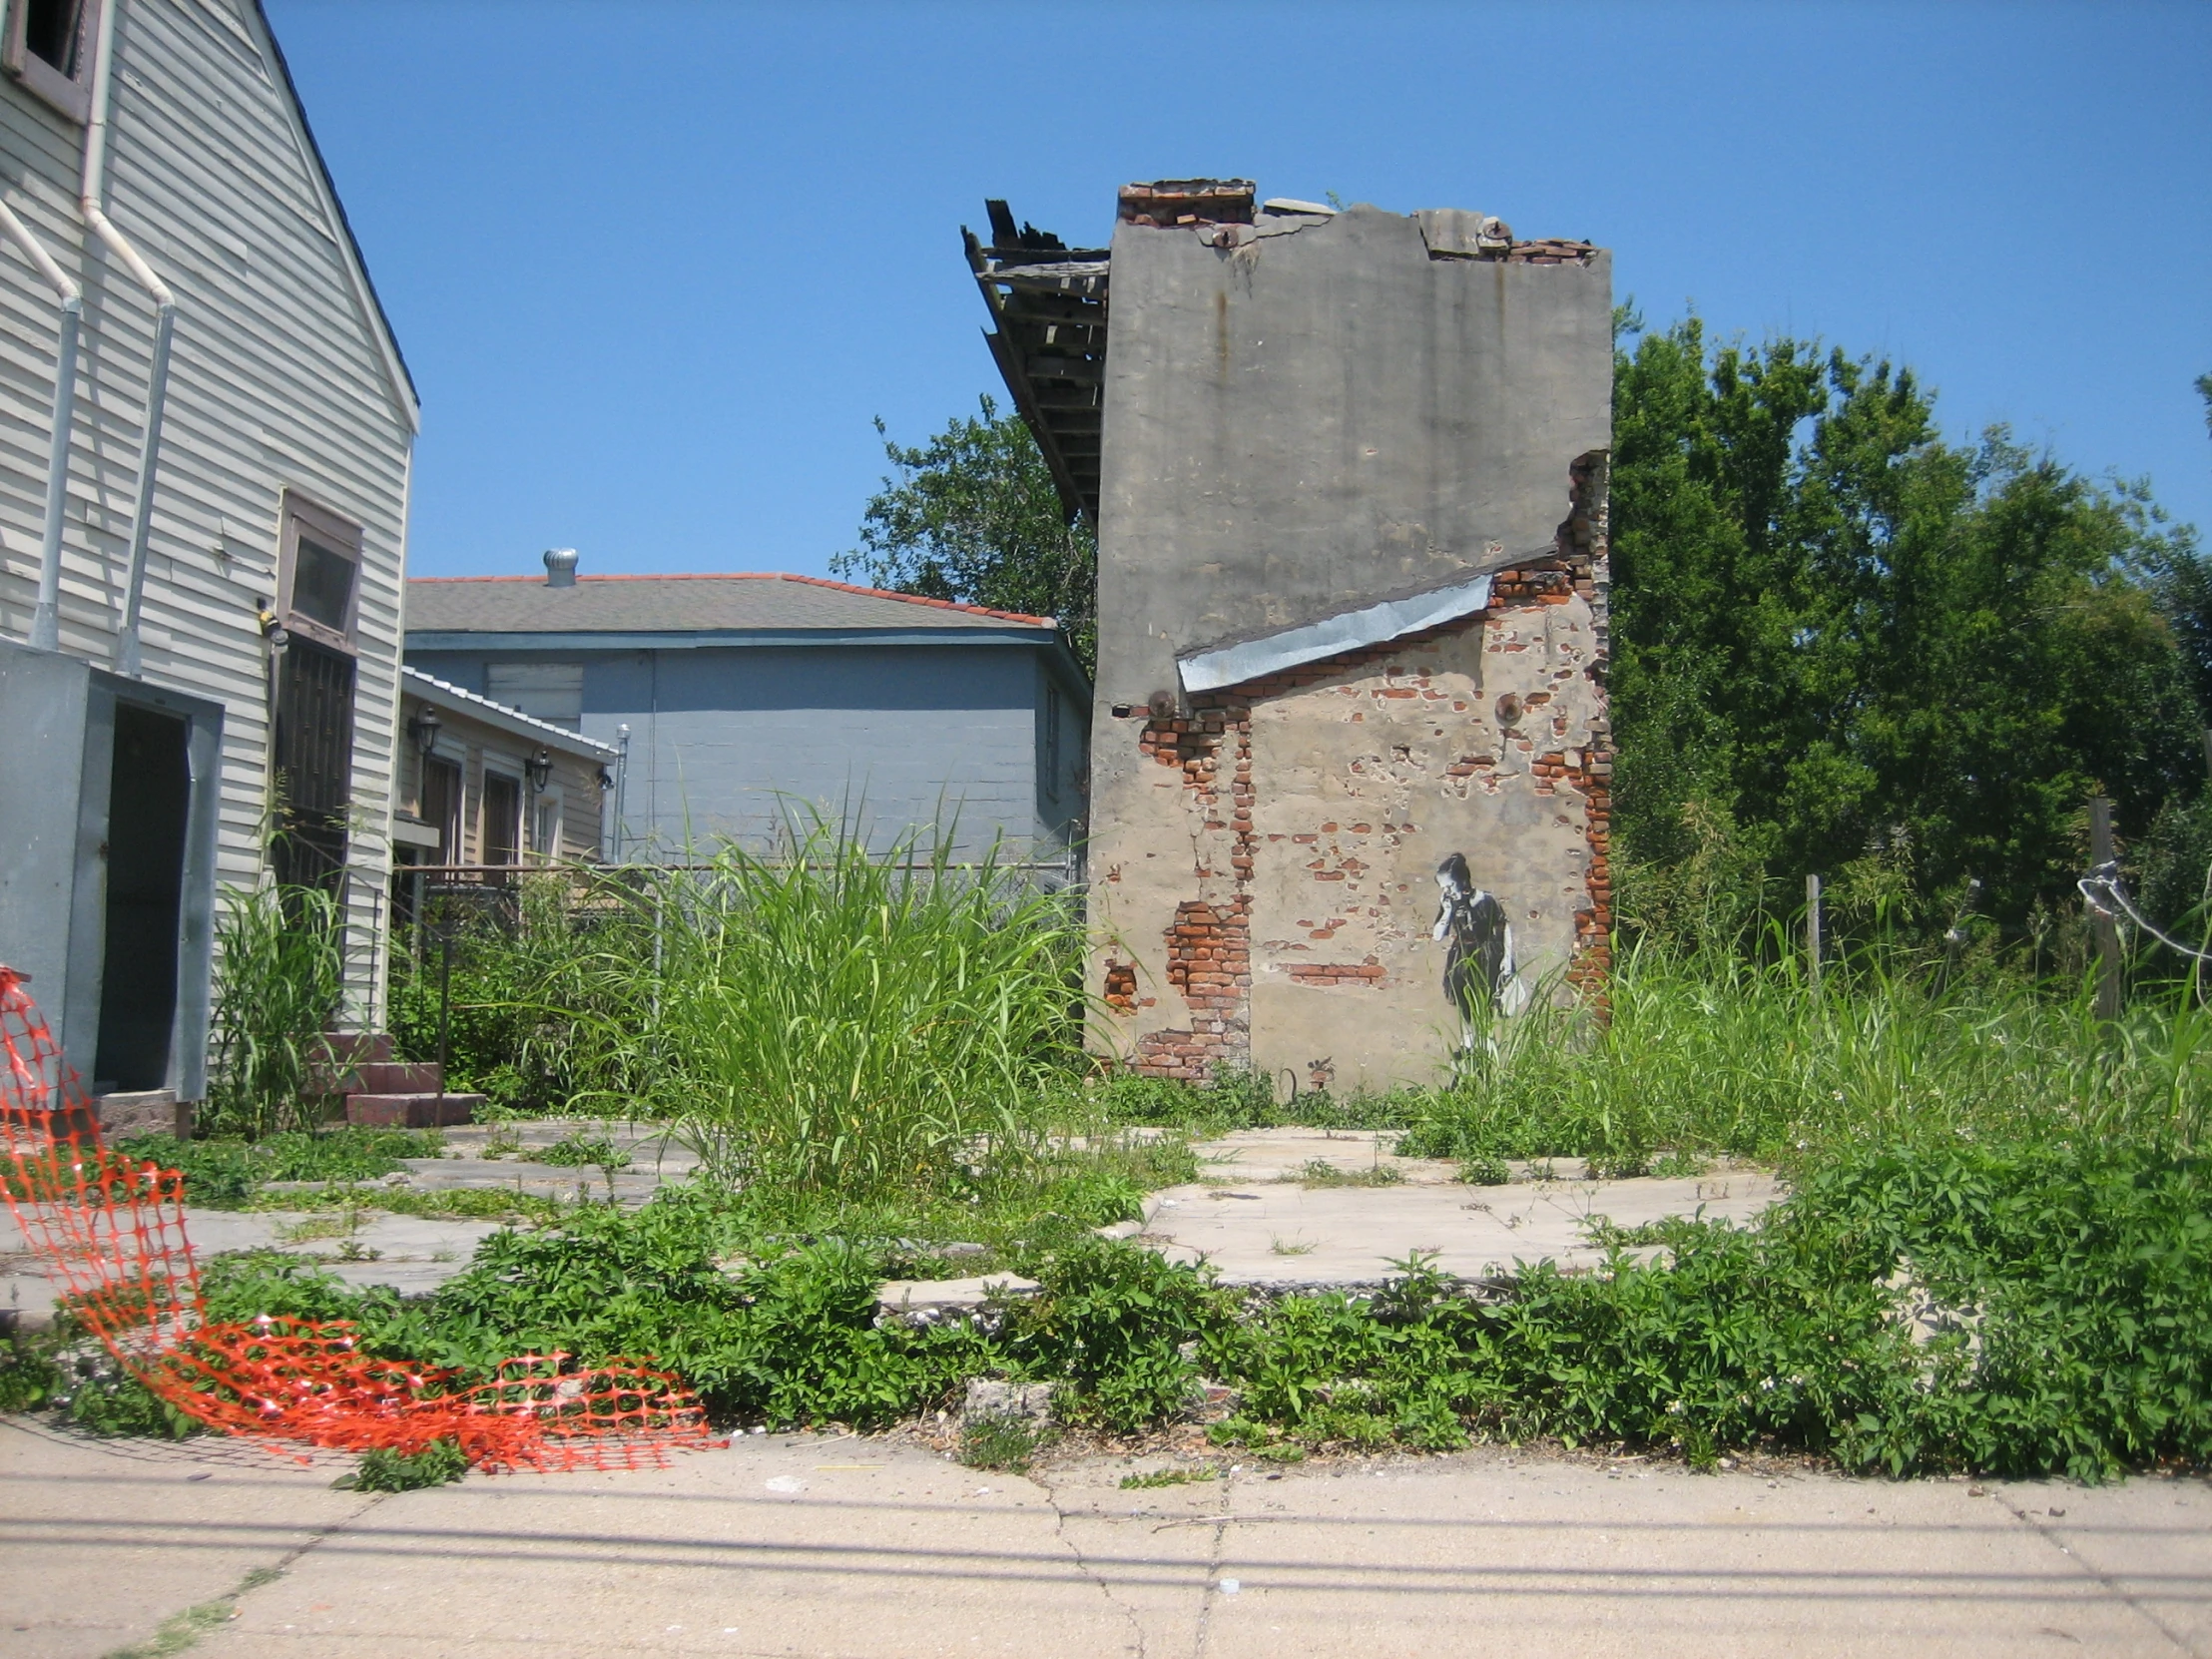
x: 545, y: 825
x: 500, y: 835
x: 48, y: 48
x: 318, y: 573
x: 440, y: 805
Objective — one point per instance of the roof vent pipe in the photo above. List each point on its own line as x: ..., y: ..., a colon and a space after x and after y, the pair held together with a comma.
x: 560, y: 567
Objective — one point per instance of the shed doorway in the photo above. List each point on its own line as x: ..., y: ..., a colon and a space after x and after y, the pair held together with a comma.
x: 149, y: 807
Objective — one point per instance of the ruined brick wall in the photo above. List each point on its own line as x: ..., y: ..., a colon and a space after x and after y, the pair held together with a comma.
x: 1270, y: 906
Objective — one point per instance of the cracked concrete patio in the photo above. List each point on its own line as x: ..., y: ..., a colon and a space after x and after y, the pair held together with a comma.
x: 849, y: 1547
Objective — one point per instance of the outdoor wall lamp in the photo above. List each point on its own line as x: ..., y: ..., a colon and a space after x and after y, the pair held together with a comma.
x: 540, y: 769
x: 424, y: 729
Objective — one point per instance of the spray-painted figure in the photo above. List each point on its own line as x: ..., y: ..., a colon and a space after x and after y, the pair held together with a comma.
x: 1479, y: 974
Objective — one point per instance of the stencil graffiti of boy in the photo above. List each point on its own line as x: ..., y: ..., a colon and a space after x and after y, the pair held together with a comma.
x: 1479, y: 973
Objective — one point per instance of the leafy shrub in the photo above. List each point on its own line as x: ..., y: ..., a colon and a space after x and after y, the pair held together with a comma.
x: 29, y: 1376
x: 383, y: 1469
x: 1113, y: 1320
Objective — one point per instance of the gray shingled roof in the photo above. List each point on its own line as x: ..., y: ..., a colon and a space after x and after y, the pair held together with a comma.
x: 680, y: 603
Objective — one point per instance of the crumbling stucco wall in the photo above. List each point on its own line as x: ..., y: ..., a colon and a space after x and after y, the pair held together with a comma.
x: 1327, y: 416
x: 1272, y: 892
x: 1299, y: 424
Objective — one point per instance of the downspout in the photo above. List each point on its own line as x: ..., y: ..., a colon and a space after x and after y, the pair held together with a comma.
x: 46, y: 621
x: 165, y: 327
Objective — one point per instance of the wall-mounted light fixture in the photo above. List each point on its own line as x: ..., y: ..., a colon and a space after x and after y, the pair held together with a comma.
x: 424, y: 729
x: 540, y: 769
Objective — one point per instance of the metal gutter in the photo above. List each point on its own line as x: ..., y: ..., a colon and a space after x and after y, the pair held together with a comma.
x: 429, y: 688
x: 46, y: 626
x: 165, y: 329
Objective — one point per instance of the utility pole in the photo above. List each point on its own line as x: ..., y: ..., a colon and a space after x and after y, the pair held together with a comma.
x: 1812, y: 930
x: 2107, y: 924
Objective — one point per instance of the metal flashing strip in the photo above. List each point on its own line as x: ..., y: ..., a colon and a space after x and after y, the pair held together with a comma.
x: 1233, y: 664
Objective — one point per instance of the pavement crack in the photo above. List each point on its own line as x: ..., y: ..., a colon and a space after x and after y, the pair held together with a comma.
x: 2104, y: 1580
x: 1083, y: 1565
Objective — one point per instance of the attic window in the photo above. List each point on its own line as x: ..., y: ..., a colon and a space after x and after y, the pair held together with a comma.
x: 49, y: 48
x: 320, y: 565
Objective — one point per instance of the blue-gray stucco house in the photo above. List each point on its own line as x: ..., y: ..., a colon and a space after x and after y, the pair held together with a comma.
x: 734, y: 699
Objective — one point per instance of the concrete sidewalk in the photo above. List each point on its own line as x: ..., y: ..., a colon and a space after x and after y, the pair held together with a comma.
x: 864, y: 1549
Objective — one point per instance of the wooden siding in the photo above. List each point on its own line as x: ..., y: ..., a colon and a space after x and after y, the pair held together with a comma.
x: 471, y: 744
x: 282, y: 378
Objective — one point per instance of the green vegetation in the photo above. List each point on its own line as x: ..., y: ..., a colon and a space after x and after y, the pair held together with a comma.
x: 279, y: 965
x: 384, y: 1470
x: 1152, y: 1479
x: 1008, y: 1443
x: 827, y: 1018
x: 1710, y: 1052
x: 1863, y: 651
x: 223, y: 1173
x: 974, y: 516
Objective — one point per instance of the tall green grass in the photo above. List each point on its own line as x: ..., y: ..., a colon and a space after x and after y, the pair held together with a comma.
x: 829, y: 1017
x: 1708, y: 1050
x: 279, y: 963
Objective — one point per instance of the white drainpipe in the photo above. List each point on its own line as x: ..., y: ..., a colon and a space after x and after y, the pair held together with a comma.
x: 165, y: 327
x: 46, y: 631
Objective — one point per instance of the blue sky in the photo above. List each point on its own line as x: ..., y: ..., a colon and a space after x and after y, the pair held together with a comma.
x: 656, y: 266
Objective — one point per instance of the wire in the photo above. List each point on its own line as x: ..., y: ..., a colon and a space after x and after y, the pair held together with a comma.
x: 2106, y: 878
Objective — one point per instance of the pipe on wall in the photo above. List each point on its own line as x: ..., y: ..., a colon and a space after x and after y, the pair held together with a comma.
x: 46, y: 618
x: 164, y: 326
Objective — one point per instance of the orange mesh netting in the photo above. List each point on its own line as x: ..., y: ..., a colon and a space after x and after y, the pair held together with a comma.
x: 111, y: 1233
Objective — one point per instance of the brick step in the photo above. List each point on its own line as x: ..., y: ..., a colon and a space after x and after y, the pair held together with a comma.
x: 410, y: 1111
x: 354, y: 1048
x: 395, y: 1077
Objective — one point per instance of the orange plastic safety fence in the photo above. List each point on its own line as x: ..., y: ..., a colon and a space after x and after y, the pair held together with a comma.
x: 112, y: 1234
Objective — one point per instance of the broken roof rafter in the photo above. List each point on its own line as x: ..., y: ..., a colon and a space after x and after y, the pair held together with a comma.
x: 1048, y: 304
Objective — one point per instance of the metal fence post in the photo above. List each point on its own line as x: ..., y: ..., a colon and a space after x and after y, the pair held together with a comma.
x: 1812, y: 928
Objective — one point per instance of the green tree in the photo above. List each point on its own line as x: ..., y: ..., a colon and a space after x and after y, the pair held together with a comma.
x: 972, y: 515
x: 1859, y: 643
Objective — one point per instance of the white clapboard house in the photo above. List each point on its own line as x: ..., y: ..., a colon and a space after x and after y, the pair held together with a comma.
x: 205, y: 436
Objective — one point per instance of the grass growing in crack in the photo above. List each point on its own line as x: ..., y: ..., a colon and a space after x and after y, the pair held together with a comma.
x: 1319, y: 1171
x: 1005, y: 1444
x: 181, y: 1632
x: 1171, y: 1476
x: 222, y: 1174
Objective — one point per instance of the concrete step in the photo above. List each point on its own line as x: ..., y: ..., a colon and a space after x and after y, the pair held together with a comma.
x: 396, y: 1077
x: 410, y: 1110
x: 143, y: 1112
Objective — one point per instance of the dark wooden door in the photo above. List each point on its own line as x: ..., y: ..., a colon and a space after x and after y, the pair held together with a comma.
x: 315, y: 764
x: 502, y: 820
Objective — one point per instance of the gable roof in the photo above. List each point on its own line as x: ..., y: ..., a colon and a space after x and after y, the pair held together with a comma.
x: 745, y: 602
x: 364, y: 290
